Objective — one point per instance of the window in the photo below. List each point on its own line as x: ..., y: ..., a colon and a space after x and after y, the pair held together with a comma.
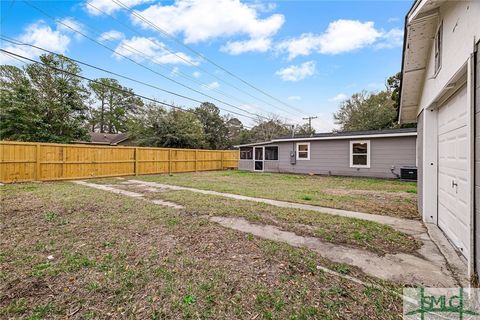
x: 246, y: 153
x: 438, y: 48
x: 360, y: 154
x: 303, y: 151
x: 271, y: 153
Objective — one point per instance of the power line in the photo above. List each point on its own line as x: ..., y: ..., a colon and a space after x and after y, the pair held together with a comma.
x: 164, y: 32
x: 8, y: 39
x: 18, y: 57
x: 137, y: 63
x: 153, y: 59
x: 188, y: 62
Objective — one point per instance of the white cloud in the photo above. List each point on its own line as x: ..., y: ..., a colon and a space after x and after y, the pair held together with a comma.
x: 175, y: 71
x: 339, y: 97
x: 112, y: 35
x: 109, y: 6
x: 391, y: 39
x: 263, y: 7
x: 66, y: 25
x: 251, y: 45
x: 150, y: 49
x: 196, y: 74
x: 297, y: 72
x: 204, y: 20
x: 211, y: 86
x: 40, y: 35
x: 393, y: 19
x: 294, y: 98
x: 341, y: 36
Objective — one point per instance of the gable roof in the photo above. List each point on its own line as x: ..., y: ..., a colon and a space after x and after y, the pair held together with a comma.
x: 383, y: 133
x: 106, y: 138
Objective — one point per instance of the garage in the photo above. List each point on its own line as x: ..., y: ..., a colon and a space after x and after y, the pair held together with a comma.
x: 453, y: 178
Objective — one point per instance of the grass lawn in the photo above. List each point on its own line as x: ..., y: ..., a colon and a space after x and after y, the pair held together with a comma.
x: 70, y: 251
x: 379, y: 196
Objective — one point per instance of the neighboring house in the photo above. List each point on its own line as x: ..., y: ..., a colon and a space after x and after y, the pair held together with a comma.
x: 377, y: 153
x: 109, y: 139
x: 440, y: 91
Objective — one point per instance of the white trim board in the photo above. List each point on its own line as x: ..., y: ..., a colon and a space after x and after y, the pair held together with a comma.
x: 352, y: 137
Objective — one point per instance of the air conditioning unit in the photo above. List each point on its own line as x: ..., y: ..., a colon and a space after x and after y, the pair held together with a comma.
x: 408, y: 173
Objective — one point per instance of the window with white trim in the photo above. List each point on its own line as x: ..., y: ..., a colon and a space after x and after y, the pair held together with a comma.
x: 360, y: 154
x: 303, y: 151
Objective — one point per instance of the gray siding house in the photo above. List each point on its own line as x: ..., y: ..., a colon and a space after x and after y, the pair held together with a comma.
x: 378, y: 153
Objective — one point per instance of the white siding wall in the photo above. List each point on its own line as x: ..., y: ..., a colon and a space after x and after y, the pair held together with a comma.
x: 461, y: 25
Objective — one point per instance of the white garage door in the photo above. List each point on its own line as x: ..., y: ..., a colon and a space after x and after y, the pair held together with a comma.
x: 453, y: 180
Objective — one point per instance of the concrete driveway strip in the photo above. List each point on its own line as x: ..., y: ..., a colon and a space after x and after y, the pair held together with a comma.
x: 411, y: 227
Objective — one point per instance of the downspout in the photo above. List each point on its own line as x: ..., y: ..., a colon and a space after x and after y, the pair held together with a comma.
x: 293, y: 147
x: 476, y: 222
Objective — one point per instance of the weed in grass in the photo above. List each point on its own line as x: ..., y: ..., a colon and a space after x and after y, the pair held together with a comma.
x: 43, y: 269
x: 173, y: 221
x: 307, y: 197
x: 42, y: 310
x: 189, y: 299
x: 338, y: 291
x: 89, y: 315
x: 50, y: 216
x: 342, y: 268
x: 108, y: 244
x: 412, y: 190
x: 163, y: 273
x: 76, y: 261
x: 361, y: 236
x: 16, y: 307
x: 93, y: 286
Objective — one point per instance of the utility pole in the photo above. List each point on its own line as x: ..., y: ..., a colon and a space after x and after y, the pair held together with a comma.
x: 310, y: 122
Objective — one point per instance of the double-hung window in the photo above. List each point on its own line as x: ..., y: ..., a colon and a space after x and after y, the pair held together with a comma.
x: 360, y: 154
x: 303, y: 151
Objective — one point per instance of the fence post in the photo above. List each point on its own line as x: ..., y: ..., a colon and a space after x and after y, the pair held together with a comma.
x: 37, y: 162
x: 169, y: 161
x: 196, y: 160
x: 222, y: 153
x: 136, y: 161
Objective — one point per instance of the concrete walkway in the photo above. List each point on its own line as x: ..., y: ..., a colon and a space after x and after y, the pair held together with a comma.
x: 127, y: 193
x: 428, y: 267
x: 411, y: 227
x: 442, y: 259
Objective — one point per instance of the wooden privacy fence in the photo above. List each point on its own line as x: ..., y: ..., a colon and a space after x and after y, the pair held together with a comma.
x: 25, y: 161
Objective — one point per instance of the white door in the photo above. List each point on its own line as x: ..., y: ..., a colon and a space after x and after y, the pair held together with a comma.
x: 453, y: 179
x: 258, y: 153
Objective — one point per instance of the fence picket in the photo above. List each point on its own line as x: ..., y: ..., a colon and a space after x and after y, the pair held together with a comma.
x: 27, y: 161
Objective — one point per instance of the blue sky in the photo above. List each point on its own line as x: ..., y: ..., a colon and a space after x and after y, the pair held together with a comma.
x: 309, y: 54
